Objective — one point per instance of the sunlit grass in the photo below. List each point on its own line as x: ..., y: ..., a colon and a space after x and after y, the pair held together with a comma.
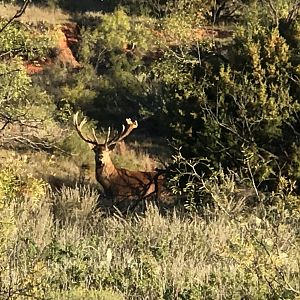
x: 59, y: 244
x: 74, y: 250
x: 34, y: 14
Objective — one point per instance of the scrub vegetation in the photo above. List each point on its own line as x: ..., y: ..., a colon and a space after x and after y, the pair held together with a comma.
x: 214, y: 86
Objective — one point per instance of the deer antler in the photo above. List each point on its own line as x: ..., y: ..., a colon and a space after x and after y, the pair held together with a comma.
x: 126, y: 130
x: 79, y: 128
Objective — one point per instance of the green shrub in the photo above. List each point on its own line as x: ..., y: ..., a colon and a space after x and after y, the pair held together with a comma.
x: 26, y: 111
x: 18, y: 40
x: 112, y: 52
x: 235, y: 112
x: 21, y: 198
x: 78, y: 294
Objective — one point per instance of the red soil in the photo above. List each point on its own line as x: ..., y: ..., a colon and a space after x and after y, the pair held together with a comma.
x: 64, y: 55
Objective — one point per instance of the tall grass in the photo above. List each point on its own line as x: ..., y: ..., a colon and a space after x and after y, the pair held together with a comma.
x: 64, y: 248
x: 35, y: 14
x: 57, y: 244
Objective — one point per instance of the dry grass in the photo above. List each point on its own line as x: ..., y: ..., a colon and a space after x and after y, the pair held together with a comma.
x: 137, y: 159
x: 77, y: 250
x: 34, y: 14
x: 45, y: 166
x: 59, y: 245
x: 59, y: 170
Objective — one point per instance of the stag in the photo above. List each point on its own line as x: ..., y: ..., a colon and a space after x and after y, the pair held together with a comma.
x: 120, y: 185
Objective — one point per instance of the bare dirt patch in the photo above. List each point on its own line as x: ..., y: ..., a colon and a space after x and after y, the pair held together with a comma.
x: 68, y: 36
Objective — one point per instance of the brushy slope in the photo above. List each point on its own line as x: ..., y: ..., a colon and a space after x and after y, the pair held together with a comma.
x: 56, y: 245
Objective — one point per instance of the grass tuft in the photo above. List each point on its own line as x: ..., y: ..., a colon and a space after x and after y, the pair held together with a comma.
x: 35, y: 14
x: 58, y: 244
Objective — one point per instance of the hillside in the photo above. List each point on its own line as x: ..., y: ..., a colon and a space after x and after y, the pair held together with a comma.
x: 189, y: 113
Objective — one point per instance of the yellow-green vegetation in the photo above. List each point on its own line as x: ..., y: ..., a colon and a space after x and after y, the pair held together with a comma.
x: 220, y: 81
x: 20, y: 40
x: 58, y: 245
x: 35, y: 14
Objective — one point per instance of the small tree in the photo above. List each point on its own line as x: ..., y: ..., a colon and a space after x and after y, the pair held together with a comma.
x: 240, y: 111
x: 24, y: 108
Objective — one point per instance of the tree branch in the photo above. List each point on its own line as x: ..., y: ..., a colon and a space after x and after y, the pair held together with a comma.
x: 18, y: 14
x: 274, y: 11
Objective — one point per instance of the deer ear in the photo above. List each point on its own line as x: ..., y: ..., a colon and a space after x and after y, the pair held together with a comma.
x: 111, y: 147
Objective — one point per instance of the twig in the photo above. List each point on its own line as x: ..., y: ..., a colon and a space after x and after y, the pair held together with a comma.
x: 18, y: 14
x: 274, y: 10
x: 11, y: 71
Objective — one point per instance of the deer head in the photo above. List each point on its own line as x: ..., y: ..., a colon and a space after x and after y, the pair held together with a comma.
x: 102, y: 150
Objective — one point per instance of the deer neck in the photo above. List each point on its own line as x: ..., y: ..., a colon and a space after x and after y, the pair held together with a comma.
x: 105, y: 171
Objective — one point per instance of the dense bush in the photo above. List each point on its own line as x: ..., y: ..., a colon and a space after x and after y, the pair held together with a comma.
x: 25, y: 107
x: 26, y: 111
x: 231, y: 105
x: 111, y: 84
x: 240, y: 112
x: 18, y: 39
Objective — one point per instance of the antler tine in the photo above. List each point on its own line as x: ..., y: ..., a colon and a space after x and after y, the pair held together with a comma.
x: 107, y: 137
x: 79, y: 127
x: 94, y: 135
x: 123, y: 130
x: 130, y: 126
x: 126, y: 130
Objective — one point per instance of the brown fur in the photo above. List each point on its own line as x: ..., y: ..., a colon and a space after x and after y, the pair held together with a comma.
x: 121, y: 185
